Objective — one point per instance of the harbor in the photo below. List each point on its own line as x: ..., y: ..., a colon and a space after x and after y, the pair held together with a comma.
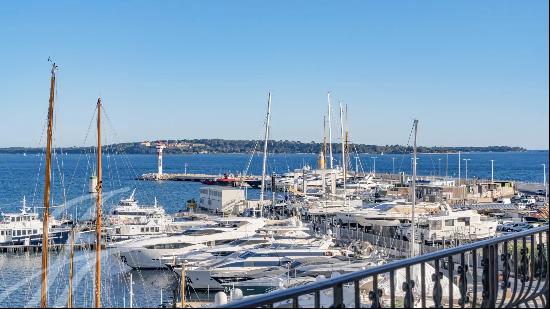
x: 239, y: 236
x: 247, y: 154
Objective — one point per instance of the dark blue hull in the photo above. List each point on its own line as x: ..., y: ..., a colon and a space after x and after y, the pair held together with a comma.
x: 56, y: 237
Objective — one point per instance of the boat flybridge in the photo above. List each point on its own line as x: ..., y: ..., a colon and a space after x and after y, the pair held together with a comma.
x: 150, y: 253
x: 454, y: 224
x: 386, y: 214
x: 25, y: 228
x: 130, y: 220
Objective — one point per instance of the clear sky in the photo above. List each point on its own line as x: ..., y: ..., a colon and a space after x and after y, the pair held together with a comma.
x: 473, y: 72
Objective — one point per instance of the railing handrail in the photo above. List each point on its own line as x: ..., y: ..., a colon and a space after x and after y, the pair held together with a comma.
x: 281, y: 295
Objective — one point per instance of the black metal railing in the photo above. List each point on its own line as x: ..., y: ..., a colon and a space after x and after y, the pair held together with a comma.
x: 502, y: 272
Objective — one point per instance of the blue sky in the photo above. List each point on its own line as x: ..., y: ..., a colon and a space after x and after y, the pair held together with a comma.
x: 473, y: 72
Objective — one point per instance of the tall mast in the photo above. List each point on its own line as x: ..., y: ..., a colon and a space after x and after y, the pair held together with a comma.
x: 323, y: 166
x: 343, y: 148
x: 266, y: 137
x: 48, y: 177
x: 98, y: 212
x: 413, y: 191
x: 330, y: 131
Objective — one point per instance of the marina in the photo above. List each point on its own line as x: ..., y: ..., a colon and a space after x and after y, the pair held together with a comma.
x: 188, y: 154
x: 294, y: 229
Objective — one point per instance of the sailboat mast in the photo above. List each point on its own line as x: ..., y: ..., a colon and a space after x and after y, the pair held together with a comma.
x: 343, y: 148
x: 323, y: 166
x: 98, y: 211
x: 330, y: 131
x: 266, y: 137
x: 413, y: 191
x: 48, y: 176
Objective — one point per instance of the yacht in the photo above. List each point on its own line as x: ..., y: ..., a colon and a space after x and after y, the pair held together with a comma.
x: 25, y: 228
x: 149, y: 253
x: 461, y: 224
x: 254, y: 264
x: 131, y: 220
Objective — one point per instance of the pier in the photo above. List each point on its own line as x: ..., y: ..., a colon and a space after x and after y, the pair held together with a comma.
x: 178, y: 177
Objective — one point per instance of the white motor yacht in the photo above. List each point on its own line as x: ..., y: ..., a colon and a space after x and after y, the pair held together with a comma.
x: 25, y: 228
x: 147, y: 253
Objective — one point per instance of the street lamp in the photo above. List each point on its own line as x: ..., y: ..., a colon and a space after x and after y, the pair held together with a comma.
x: 374, y: 165
x: 439, y: 167
x: 492, y: 171
x: 393, y: 165
x: 466, y: 176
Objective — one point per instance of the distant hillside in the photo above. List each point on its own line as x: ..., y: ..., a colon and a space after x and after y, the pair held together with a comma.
x: 247, y: 146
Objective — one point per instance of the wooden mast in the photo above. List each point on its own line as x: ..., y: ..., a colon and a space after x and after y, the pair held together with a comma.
x: 71, y: 265
x: 48, y: 176
x: 98, y: 212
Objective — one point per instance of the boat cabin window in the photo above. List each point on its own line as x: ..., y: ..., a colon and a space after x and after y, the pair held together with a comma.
x: 435, y: 225
x: 1, y: 233
x: 255, y: 241
x: 235, y: 264
x: 24, y: 232
x: 177, y: 245
x: 34, y: 231
x: 248, y: 242
x: 222, y: 253
x: 200, y: 232
x: 18, y: 232
x: 466, y: 220
x: 266, y: 263
x: 222, y: 242
x: 449, y: 222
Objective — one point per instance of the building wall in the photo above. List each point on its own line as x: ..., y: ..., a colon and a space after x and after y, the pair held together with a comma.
x: 214, y: 198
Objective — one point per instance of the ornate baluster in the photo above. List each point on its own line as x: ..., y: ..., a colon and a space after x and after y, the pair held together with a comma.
x: 524, y: 265
x: 438, y: 289
x: 462, y: 285
x: 507, y: 267
x: 408, y: 302
x: 541, y: 263
x: 486, y: 294
x: 374, y: 297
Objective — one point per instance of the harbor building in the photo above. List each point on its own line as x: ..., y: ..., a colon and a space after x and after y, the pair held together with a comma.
x: 222, y: 199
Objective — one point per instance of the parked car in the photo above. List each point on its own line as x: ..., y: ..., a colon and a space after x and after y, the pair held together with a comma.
x: 515, y: 227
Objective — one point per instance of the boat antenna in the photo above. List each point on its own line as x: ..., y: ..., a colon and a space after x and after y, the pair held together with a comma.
x: 98, y: 211
x: 47, y: 180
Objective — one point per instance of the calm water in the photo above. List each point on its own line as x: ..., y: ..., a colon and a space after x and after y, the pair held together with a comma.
x: 23, y: 176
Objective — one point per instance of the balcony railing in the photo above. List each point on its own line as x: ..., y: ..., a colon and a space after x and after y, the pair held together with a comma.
x: 502, y: 272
